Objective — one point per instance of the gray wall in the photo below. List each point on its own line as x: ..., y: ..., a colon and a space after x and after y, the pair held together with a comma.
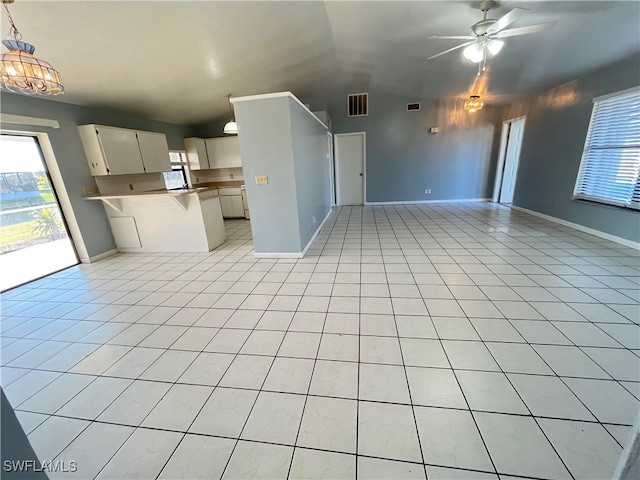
x: 71, y: 159
x: 280, y: 139
x: 554, y: 136
x: 266, y: 149
x: 312, y: 170
x: 211, y: 129
x: 403, y: 159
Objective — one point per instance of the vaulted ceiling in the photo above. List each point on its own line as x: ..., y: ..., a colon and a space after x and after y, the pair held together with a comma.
x: 176, y: 60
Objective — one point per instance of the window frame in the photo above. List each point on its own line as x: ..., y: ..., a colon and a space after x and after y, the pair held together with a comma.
x: 633, y: 204
x: 179, y: 166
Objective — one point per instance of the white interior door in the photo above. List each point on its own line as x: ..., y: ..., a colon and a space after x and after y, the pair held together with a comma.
x: 349, y: 156
x: 512, y: 159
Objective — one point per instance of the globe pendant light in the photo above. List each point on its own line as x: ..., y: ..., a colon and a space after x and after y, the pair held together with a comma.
x: 21, y: 71
x: 231, y: 127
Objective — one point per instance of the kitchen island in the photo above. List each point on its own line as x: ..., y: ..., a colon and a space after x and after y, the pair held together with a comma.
x: 188, y: 220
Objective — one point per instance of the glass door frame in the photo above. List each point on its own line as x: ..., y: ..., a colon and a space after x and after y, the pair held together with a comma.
x: 36, y: 137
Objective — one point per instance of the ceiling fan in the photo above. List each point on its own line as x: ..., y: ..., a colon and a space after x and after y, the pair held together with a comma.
x: 485, y: 35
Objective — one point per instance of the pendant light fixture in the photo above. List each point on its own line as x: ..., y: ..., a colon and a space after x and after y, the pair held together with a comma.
x: 21, y: 71
x: 473, y: 104
x: 231, y: 127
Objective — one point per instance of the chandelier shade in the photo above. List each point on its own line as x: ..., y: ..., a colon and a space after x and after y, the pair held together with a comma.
x: 22, y: 72
x: 473, y: 104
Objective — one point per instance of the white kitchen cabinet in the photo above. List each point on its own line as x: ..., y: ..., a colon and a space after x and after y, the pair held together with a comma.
x: 223, y: 152
x: 232, y: 206
x: 111, y: 151
x: 155, y: 151
x: 197, y: 157
x: 231, y: 202
x: 119, y: 151
x: 237, y: 207
x: 227, y: 206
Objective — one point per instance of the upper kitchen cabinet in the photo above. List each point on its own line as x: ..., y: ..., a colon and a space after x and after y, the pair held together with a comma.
x: 196, y: 153
x: 223, y: 152
x: 119, y: 151
x: 155, y: 151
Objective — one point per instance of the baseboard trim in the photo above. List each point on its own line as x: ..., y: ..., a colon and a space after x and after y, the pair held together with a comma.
x: 581, y: 228
x: 313, y: 237
x: 278, y: 255
x: 417, y: 202
x: 100, y: 256
x: 295, y: 254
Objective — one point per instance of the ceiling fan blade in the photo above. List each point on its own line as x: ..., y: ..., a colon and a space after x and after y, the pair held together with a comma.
x: 512, y: 32
x: 453, y: 37
x: 450, y: 50
x: 505, y: 21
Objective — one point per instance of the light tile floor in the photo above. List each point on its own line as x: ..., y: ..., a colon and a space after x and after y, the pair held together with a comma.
x: 448, y: 341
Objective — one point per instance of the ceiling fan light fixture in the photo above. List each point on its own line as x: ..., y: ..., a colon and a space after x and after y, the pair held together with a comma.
x: 473, y: 104
x: 231, y: 127
x: 494, y: 46
x: 474, y: 52
x: 23, y: 72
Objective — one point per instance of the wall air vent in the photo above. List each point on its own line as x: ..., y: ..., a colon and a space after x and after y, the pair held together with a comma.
x: 413, y: 106
x: 358, y: 105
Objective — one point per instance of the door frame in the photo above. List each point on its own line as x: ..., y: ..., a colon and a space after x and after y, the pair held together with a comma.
x: 364, y: 163
x: 502, y: 156
x: 332, y: 168
x: 57, y: 183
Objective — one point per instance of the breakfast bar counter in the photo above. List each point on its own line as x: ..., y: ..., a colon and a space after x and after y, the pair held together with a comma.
x: 188, y: 220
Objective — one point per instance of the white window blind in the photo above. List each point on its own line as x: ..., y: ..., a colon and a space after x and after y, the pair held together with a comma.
x: 610, y: 168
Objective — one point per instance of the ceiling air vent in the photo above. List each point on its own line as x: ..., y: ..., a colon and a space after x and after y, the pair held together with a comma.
x: 413, y: 106
x: 358, y: 105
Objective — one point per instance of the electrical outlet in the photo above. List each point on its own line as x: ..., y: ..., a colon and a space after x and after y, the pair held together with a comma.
x: 262, y: 179
x: 314, y: 219
x: 427, y: 191
x: 231, y: 174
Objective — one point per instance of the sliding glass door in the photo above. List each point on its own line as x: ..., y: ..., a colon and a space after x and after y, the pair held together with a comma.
x: 34, y: 239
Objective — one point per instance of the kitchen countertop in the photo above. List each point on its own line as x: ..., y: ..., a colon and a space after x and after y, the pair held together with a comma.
x: 222, y: 183
x: 151, y: 193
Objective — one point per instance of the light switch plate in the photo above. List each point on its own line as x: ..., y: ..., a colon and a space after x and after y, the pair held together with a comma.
x: 262, y: 179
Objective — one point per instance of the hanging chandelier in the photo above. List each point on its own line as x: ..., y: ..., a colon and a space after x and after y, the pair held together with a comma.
x: 473, y: 104
x: 21, y: 71
x: 231, y: 127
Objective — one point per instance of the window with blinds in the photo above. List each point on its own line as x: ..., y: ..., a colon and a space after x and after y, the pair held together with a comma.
x: 610, y: 168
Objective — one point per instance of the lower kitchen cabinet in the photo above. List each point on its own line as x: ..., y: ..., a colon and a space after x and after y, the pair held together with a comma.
x: 231, y: 202
x: 232, y: 206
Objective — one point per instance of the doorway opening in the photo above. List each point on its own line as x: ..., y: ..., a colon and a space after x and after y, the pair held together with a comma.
x: 350, y: 159
x: 508, y: 160
x: 34, y: 237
